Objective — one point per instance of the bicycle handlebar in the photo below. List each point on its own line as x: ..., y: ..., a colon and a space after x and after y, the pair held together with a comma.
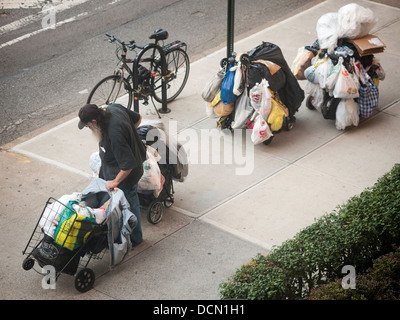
x: 131, y: 46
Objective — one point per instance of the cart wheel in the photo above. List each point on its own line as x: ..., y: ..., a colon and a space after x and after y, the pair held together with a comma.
x: 169, y: 202
x: 28, y: 263
x: 268, y: 141
x: 224, y: 62
x: 288, y: 123
x: 155, y: 212
x: 309, y: 104
x: 84, y: 280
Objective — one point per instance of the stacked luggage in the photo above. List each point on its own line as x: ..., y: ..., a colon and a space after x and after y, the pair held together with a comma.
x: 257, y: 91
x: 341, y: 69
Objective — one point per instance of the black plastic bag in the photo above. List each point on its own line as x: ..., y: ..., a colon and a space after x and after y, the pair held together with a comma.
x: 50, y: 253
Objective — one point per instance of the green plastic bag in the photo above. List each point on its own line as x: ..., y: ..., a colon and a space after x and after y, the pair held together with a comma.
x: 73, y: 227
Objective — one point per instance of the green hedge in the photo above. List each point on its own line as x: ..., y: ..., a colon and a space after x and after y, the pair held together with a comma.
x: 354, y: 234
x: 381, y: 282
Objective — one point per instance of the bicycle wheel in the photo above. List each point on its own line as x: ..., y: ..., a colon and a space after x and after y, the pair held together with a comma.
x: 178, y: 66
x: 110, y: 90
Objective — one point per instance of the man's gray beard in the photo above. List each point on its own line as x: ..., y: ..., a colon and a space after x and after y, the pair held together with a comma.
x: 97, y: 133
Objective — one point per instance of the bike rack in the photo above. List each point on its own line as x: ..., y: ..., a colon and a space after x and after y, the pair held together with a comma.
x: 151, y: 46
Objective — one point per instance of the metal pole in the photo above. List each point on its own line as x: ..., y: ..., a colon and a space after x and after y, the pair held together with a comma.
x: 164, y: 108
x: 231, y: 23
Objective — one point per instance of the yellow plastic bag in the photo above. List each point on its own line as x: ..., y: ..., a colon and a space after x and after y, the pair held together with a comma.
x: 278, y: 112
x: 73, y: 228
x: 216, y: 99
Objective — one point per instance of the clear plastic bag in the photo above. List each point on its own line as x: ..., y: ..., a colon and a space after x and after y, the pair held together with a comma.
x: 243, y: 111
x: 347, y: 114
x: 301, y: 63
x: 151, y: 178
x: 212, y: 86
x: 265, y: 107
x: 354, y: 21
x: 315, y: 91
x: 327, y: 31
x: 238, y: 86
x: 323, y: 71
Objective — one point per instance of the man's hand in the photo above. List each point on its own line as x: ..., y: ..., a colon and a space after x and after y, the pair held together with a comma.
x: 111, y: 184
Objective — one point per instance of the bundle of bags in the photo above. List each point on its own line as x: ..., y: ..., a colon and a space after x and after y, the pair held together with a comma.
x: 222, y: 90
x: 351, y: 21
x: 152, y: 178
x: 71, y: 210
x: 259, y: 110
x: 343, y: 83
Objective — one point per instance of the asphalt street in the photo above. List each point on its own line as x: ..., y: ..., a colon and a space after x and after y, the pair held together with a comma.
x: 47, y: 74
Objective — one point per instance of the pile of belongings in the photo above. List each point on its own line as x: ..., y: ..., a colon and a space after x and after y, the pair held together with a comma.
x: 258, y: 91
x: 341, y: 70
x: 81, y: 223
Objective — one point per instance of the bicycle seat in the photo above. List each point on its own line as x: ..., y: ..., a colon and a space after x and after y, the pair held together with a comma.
x: 159, y: 34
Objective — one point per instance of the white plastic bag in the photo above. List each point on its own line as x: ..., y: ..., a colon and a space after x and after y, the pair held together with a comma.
x: 347, y: 85
x: 95, y: 162
x: 323, y: 71
x: 261, y: 131
x: 210, y: 111
x: 151, y: 178
x: 243, y: 111
x: 260, y: 98
x: 347, y: 114
x: 212, y: 86
x: 333, y: 75
x: 88, y: 212
x: 354, y: 21
x: 238, y: 87
x: 327, y: 31
x: 265, y: 106
x: 255, y: 96
x: 49, y: 220
x: 100, y: 214
x: 317, y: 94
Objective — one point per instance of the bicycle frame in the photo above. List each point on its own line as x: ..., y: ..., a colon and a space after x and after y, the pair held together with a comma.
x: 151, y: 46
x: 149, y: 74
x: 134, y: 73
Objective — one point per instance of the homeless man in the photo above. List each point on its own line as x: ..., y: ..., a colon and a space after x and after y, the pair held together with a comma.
x: 121, y: 151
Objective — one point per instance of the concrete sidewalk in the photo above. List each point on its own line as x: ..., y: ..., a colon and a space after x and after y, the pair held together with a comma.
x: 220, y: 219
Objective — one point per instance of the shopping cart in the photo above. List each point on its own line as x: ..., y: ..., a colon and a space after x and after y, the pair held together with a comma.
x: 67, y: 241
x: 155, y: 204
x: 154, y: 135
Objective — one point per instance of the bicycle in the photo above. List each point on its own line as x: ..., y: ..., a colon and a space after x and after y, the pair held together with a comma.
x: 146, y: 78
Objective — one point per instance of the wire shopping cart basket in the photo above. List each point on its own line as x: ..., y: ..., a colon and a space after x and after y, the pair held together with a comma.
x: 66, y: 238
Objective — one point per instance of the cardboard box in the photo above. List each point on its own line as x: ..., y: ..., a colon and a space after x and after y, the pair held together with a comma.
x: 370, y: 44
